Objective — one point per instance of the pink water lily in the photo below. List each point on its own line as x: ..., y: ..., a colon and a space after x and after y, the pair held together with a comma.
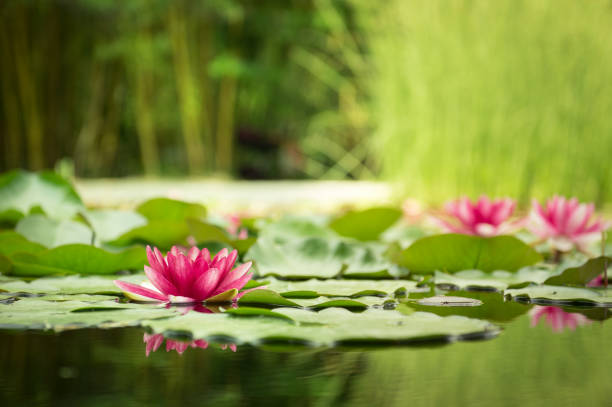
x: 566, y: 223
x: 484, y: 217
x: 234, y: 227
x: 189, y: 278
x: 557, y: 318
x: 154, y: 341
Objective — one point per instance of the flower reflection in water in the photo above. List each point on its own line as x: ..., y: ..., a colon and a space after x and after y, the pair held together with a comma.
x: 154, y: 341
x: 557, y: 318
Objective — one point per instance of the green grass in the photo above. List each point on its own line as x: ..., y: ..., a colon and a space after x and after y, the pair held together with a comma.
x: 507, y: 97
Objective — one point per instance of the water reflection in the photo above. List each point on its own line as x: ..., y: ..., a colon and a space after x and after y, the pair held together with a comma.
x: 557, y: 318
x: 154, y: 341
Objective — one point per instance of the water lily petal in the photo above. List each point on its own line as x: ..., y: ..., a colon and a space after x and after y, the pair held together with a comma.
x: 206, y: 284
x: 140, y: 290
x: 225, y: 296
x: 160, y: 282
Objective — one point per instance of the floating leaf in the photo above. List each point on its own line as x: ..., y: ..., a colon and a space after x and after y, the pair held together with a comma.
x: 449, y: 301
x: 315, y: 257
x: 53, y: 232
x: 171, y: 210
x: 22, y: 192
x: 342, y: 288
x: 367, y: 224
x: 493, y: 307
x: 266, y: 297
x: 35, y: 313
x: 159, y: 233
x: 69, y: 285
x: 455, y: 252
x: 12, y: 242
x: 558, y: 295
x: 327, y: 328
x: 111, y: 224
x: 76, y: 259
x: 583, y: 274
x: 497, y: 280
x: 205, y: 232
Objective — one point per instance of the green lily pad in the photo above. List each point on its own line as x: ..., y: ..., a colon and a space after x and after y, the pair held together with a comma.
x: 159, y: 233
x: 342, y: 288
x: 496, y: 280
x: 331, y: 326
x: 53, y: 232
x: 367, y: 224
x: 449, y: 301
x: 111, y: 224
x: 316, y: 257
x: 76, y: 259
x: 455, y: 252
x: 22, y: 192
x: 70, y: 285
x: 12, y: 242
x: 319, y: 303
x: 171, y: 210
x: 558, y: 295
x: 266, y: 297
x: 583, y: 274
x: 493, y: 307
x: 36, y: 313
x: 206, y: 232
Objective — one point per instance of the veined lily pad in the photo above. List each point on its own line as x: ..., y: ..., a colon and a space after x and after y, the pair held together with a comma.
x: 50, y: 232
x: 316, y: 257
x: 76, y: 259
x: 326, y: 328
x: 454, y: 252
x: 558, y: 295
x: 22, y: 192
x: 35, y: 313
x: 497, y: 280
x: 69, y: 285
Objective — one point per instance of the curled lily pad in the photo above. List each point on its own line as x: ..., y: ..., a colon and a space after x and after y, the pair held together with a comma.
x: 582, y: 274
x: 497, y: 280
x: 558, y: 295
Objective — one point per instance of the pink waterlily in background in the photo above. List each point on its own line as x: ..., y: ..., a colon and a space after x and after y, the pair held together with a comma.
x: 189, y: 278
x: 234, y: 229
x: 566, y: 223
x: 484, y: 217
x: 598, y: 281
x: 557, y: 318
x: 154, y: 341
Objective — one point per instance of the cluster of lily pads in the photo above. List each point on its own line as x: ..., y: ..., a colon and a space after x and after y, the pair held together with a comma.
x: 363, y: 277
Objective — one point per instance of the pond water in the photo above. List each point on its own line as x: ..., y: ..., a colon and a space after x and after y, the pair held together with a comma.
x: 525, y: 365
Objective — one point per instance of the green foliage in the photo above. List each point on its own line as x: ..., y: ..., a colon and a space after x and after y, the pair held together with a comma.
x: 53, y: 232
x: 515, y: 106
x: 454, y: 252
x: 165, y: 209
x: 365, y: 225
x: 583, y: 274
x: 557, y: 295
x: 23, y: 192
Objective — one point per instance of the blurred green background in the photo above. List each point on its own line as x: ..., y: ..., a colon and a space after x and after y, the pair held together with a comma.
x: 442, y: 97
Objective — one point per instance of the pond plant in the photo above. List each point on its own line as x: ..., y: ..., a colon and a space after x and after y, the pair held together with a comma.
x: 362, y: 276
x: 191, y: 277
